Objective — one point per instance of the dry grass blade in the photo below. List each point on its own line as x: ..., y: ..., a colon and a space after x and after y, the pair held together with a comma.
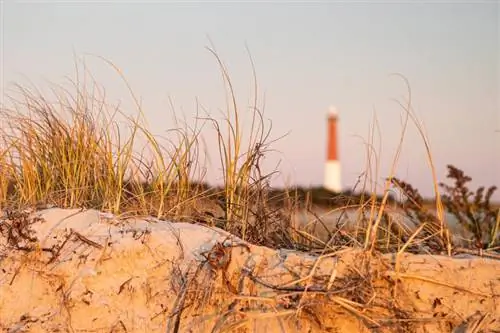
x: 399, y: 275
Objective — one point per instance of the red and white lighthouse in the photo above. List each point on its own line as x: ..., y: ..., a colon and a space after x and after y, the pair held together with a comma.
x: 332, y: 166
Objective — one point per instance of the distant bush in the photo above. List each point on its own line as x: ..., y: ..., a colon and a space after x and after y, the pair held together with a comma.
x: 322, y: 197
x: 473, y: 210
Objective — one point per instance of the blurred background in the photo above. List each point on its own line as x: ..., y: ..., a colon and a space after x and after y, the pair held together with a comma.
x: 307, y: 57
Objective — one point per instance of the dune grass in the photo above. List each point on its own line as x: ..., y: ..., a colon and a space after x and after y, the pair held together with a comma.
x: 73, y: 149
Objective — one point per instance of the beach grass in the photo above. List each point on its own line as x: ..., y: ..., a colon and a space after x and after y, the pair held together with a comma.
x: 72, y: 149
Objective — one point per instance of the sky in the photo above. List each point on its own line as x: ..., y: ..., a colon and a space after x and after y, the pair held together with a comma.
x: 307, y: 56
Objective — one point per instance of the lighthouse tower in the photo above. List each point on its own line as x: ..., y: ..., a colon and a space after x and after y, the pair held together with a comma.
x: 332, y: 166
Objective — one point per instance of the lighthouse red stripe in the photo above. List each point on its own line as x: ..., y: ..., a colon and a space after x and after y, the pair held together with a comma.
x: 332, y: 139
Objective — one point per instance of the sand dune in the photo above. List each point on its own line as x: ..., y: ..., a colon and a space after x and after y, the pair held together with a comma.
x: 86, y: 271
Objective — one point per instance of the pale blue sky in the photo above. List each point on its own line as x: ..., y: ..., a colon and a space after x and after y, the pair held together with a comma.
x: 307, y: 56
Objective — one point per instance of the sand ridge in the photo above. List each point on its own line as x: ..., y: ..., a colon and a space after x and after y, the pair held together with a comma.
x: 87, y: 271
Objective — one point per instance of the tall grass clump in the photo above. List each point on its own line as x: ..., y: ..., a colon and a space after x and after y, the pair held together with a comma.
x: 423, y: 229
x: 247, y: 209
x: 379, y: 224
x: 75, y: 150
x: 438, y: 226
x: 61, y: 154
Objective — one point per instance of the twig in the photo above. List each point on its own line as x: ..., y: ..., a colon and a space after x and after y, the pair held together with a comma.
x: 86, y: 240
x: 55, y: 254
x: 444, y: 284
x: 174, y: 326
x: 122, y: 286
x: 316, y: 290
x: 478, y: 252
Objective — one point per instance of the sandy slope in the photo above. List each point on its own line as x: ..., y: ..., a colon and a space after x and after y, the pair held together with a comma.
x: 90, y: 272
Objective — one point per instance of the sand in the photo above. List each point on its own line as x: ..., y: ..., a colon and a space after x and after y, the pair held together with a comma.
x: 86, y: 271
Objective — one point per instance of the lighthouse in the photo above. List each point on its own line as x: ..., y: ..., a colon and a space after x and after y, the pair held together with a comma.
x: 332, y: 166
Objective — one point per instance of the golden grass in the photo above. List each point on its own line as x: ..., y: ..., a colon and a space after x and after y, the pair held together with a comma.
x: 78, y: 151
